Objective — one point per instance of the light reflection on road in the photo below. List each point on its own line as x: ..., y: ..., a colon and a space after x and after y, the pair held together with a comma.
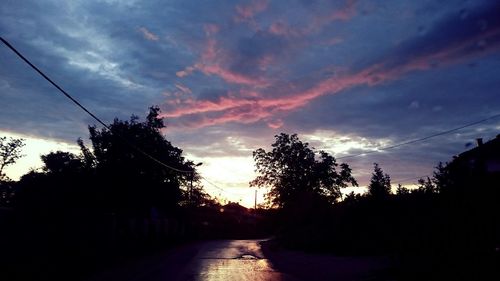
x: 231, y: 260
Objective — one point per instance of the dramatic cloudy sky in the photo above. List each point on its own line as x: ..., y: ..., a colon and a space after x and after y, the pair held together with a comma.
x: 347, y: 76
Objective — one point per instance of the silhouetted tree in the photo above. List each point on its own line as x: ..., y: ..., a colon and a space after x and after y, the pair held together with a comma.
x: 10, y: 152
x: 153, y: 120
x: 442, y: 178
x: 380, y: 183
x: 87, y: 157
x: 107, y: 201
x: 426, y: 186
x: 196, y: 197
x: 294, y: 171
x: 401, y: 190
x: 133, y: 181
x: 352, y: 198
x: 61, y: 162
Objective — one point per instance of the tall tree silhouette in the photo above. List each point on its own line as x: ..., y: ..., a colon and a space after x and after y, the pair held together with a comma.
x: 61, y: 162
x: 380, y: 183
x: 10, y: 152
x: 87, y: 157
x: 442, y: 178
x: 133, y: 182
x: 401, y: 190
x: 293, y: 170
x: 426, y: 186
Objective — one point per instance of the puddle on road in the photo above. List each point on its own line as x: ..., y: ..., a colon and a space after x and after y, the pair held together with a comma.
x: 248, y: 257
x: 235, y: 260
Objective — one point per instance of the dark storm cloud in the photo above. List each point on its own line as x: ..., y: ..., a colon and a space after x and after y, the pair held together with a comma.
x: 459, y: 34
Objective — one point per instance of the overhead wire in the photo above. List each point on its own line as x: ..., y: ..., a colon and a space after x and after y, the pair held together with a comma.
x: 67, y: 95
x: 218, y: 187
x: 421, y: 139
x: 78, y: 104
x: 212, y: 184
x: 401, y: 181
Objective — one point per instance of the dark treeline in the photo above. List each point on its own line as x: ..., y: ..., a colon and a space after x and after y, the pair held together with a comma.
x: 111, y: 202
x: 108, y: 203
x: 446, y: 229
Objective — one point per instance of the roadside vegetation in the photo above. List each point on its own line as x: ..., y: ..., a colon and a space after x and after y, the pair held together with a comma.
x: 446, y: 229
x: 112, y: 201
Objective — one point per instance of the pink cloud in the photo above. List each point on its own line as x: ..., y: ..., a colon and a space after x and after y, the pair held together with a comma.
x: 201, y: 106
x: 254, y: 106
x: 346, y: 13
x: 343, y: 14
x: 246, y: 110
x: 183, y: 89
x: 265, y: 61
x: 212, y: 62
x: 230, y: 76
x: 245, y: 115
x: 275, y: 124
x: 183, y: 73
x: 281, y: 28
x: 216, y: 61
x: 210, y: 52
x: 211, y: 29
x: 455, y: 53
x: 246, y: 13
x: 461, y: 51
x: 148, y: 34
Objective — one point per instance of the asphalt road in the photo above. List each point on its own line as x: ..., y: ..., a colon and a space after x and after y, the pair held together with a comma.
x: 208, y: 261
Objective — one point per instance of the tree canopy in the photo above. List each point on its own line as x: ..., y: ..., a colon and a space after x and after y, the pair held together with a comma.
x: 118, y: 174
x: 380, y: 183
x: 10, y: 152
x: 61, y: 162
x: 293, y: 169
x: 122, y: 161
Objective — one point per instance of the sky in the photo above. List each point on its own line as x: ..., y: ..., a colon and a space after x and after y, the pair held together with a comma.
x: 346, y: 76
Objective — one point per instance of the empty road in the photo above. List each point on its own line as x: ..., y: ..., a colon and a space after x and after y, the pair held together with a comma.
x: 208, y: 261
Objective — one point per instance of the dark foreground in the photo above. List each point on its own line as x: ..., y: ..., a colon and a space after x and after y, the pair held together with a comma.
x: 243, y: 260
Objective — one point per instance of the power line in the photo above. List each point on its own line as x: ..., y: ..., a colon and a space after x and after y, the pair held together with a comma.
x: 407, y: 179
x: 218, y: 187
x: 88, y: 111
x: 52, y: 82
x: 212, y: 184
x: 98, y: 119
x: 67, y: 95
x: 423, y: 138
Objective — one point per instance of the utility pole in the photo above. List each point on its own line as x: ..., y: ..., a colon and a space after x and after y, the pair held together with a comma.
x: 255, y: 202
x: 191, y: 188
x: 191, y: 201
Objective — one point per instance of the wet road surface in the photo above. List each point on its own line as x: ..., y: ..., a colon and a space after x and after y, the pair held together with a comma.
x: 226, y: 260
x: 231, y: 260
